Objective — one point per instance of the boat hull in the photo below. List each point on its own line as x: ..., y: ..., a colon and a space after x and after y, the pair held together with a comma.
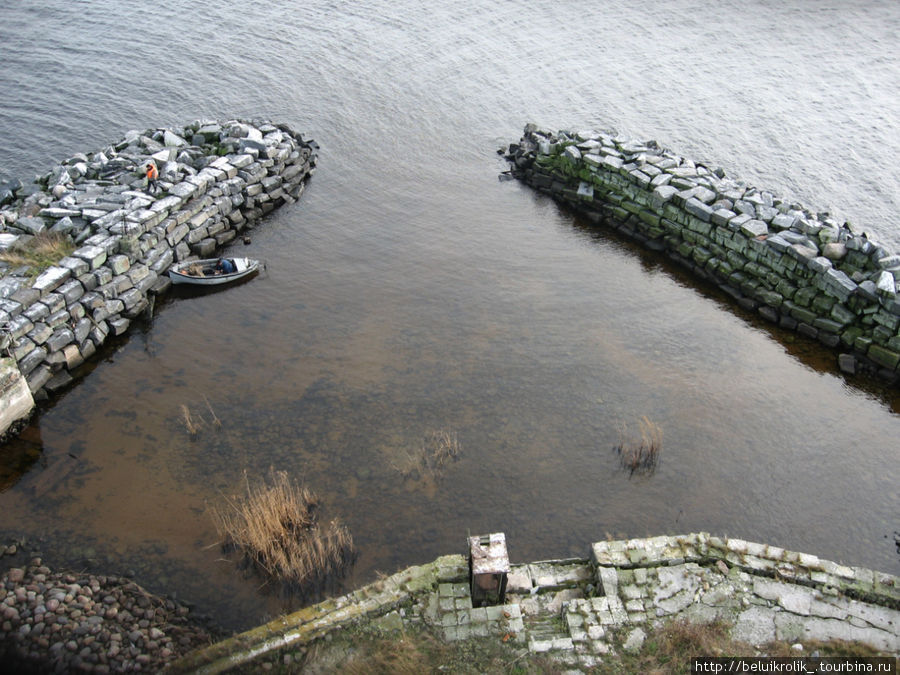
x: 179, y: 273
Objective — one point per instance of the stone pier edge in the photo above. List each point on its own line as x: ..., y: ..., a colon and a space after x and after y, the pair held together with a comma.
x: 376, y: 600
x: 798, y: 269
x: 127, y: 238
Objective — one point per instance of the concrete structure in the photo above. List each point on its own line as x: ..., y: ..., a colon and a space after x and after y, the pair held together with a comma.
x: 578, y: 611
x: 488, y: 569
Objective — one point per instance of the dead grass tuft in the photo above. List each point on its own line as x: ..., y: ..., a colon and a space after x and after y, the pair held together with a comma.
x: 399, y: 656
x: 216, y: 422
x: 438, y: 449
x: 39, y: 252
x: 640, y: 454
x: 276, y: 526
x: 195, y: 422
x: 192, y: 424
x: 685, y: 639
x: 414, y: 651
x: 669, y: 648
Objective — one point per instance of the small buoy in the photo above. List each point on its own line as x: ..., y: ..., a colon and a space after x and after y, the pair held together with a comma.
x: 246, y: 239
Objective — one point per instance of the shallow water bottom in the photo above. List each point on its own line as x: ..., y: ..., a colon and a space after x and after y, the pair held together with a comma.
x: 540, y: 342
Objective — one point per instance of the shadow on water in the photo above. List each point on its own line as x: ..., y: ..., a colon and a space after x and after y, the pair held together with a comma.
x: 19, y: 454
x: 811, y: 353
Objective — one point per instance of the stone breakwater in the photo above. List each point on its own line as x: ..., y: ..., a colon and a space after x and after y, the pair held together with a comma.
x: 215, y: 179
x: 579, y: 611
x: 798, y: 269
x: 57, y: 622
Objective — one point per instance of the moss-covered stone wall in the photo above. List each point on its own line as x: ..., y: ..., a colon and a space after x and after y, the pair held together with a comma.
x: 799, y: 269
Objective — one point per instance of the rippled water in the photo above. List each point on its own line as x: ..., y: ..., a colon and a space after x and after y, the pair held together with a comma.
x: 410, y: 290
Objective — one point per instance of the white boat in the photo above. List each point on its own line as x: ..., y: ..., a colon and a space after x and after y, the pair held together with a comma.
x: 208, y: 272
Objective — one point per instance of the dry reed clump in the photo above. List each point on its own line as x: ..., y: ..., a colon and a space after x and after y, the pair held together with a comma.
x: 194, y: 423
x: 276, y: 527
x: 39, y: 252
x: 438, y: 449
x: 640, y: 454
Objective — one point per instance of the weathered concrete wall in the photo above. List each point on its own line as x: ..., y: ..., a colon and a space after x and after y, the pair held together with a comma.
x: 215, y: 179
x: 578, y: 611
x: 798, y: 269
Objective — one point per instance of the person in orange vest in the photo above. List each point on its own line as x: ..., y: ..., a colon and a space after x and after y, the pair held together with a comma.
x: 152, y: 174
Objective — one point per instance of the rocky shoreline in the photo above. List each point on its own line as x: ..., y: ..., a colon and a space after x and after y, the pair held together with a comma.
x: 60, y: 622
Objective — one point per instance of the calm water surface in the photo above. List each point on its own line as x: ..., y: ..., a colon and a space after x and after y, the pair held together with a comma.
x: 410, y: 290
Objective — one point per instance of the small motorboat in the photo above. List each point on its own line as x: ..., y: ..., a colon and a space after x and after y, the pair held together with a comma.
x: 212, y: 271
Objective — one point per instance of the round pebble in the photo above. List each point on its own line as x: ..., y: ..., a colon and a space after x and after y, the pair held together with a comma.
x: 64, y: 623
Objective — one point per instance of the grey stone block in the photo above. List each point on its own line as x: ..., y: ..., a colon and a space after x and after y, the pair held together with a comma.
x: 204, y: 248
x: 802, y: 253
x: 755, y: 625
x: 131, y: 297
x: 839, y: 284
x: 705, y: 195
x: 784, y: 221
x: 82, y: 329
x: 119, y: 325
x: 119, y: 264
x: 240, y: 161
x: 820, y: 264
x: 21, y: 347
x: 57, y: 319
x: 31, y: 360
x: 36, y: 312
x: 9, y: 310
x: 60, y: 339
x: 51, y: 279
x: 888, y: 262
x: 30, y: 225
x: 38, y: 377
x: 71, y: 291
x: 184, y: 190
x: 738, y: 222
x: 754, y: 228
x: 661, y: 195
x: 698, y: 209
x: 39, y: 333
x: 94, y: 256
x: 722, y: 217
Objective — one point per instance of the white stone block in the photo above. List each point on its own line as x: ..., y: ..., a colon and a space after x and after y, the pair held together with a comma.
x: 15, y: 395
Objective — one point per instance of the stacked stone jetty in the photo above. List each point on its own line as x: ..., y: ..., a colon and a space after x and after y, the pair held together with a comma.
x: 801, y: 270
x: 215, y: 179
